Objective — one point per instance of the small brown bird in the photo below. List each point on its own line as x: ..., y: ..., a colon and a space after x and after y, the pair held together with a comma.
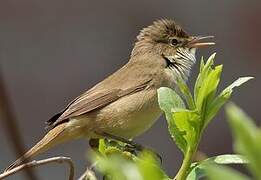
x: 125, y: 104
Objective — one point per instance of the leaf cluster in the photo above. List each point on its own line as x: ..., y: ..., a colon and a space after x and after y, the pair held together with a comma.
x: 188, y: 118
x: 117, y: 164
x: 247, y: 138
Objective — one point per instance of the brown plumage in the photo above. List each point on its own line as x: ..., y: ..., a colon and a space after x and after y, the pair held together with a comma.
x: 125, y: 103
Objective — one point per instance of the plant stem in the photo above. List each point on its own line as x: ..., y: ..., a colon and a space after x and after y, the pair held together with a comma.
x: 182, y: 173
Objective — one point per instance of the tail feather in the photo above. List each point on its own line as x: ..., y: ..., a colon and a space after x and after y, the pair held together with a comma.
x: 52, y: 138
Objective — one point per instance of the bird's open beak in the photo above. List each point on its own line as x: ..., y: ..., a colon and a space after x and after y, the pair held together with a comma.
x: 195, y: 42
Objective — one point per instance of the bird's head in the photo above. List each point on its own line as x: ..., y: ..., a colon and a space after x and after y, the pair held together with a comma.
x: 166, y: 40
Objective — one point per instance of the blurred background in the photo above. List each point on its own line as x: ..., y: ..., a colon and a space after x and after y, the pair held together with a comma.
x: 51, y: 51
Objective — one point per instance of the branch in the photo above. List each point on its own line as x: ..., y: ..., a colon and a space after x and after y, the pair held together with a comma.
x: 39, y: 163
x: 89, y: 174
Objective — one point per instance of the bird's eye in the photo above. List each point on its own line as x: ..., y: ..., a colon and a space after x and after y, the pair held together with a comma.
x: 174, y: 42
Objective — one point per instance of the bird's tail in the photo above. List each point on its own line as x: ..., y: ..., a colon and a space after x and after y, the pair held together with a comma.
x: 53, y: 137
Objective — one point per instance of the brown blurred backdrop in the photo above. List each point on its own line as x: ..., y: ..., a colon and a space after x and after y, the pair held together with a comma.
x: 51, y: 51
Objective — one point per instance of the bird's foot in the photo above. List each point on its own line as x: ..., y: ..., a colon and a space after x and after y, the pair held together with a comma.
x: 130, y: 146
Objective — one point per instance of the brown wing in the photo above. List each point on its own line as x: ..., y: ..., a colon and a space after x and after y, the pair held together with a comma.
x: 91, y: 100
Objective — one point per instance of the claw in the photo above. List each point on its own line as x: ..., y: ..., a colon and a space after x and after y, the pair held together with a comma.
x: 131, y: 146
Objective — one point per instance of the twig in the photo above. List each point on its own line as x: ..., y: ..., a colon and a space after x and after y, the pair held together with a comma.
x: 89, y: 173
x: 39, y: 163
x: 10, y: 125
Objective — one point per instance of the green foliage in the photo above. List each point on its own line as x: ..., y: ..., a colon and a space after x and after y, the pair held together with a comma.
x: 186, y: 123
x: 247, y: 138
x: 167, y: 100
x: 224, y: 96
x: 188, y: 115
x: 221, y: 173
x: 117, y: 164
x: 198, y: 169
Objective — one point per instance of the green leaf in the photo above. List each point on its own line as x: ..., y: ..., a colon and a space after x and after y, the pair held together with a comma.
x: 197, y: 173
x: 236, y: 83
x: 149, y: 168
x: 102, y: 146
x: 187, y: 122
x: 198, y: 169
x: 186, y: 94
x: 222, y: 98
x: 202, y: 64
x: 168, y: 100
x: 215, y: 172
x: 208, y: 89
x: 204, y: 71
x: 117, y: 167
x: 247, y: 138
x: 228, y: 159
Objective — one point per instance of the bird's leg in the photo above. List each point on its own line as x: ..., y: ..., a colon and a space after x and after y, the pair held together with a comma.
x: 129, y: 143
x: 131, y: 146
